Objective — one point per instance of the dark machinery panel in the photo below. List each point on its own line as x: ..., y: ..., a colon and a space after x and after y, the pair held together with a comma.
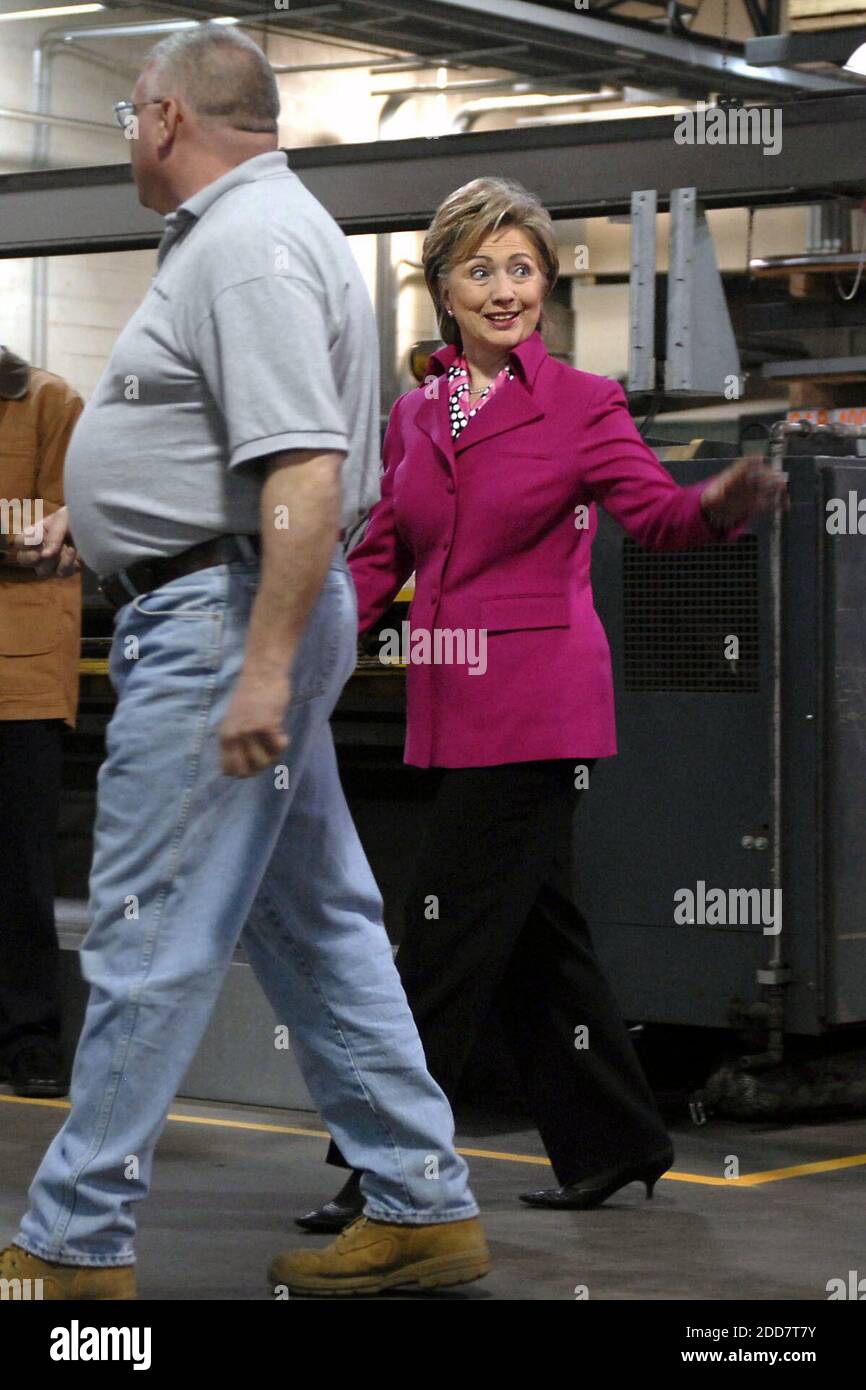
x: 688, y: 800
x: 844, y: 754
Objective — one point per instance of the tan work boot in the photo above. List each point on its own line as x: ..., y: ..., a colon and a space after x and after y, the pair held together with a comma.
x: 25, y: 1276
x: 369, y: 1256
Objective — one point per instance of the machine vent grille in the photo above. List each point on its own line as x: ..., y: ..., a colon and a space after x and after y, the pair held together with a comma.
x: 681, y: 607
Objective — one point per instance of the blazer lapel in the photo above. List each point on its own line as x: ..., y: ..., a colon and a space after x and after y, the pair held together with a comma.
x: 510, y: 405
x: 433, y: 418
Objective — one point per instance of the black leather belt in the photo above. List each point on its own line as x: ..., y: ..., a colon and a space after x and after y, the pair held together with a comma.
x: 146, y: 575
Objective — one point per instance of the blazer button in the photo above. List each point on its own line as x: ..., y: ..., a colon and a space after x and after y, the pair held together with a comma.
x: 449, y: 487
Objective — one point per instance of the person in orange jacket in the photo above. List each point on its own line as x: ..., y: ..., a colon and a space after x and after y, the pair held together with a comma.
x: 40, y: 633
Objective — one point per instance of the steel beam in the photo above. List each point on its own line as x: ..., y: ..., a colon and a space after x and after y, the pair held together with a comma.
x: 642, y: 291
x: 665, y: 56
x: 831, y: 46
x: 815, y: 368
x: 799, y: 315
x: 702, y: 357
x: 757, y: 17
x: 692, y: 64
x: 582, y: 170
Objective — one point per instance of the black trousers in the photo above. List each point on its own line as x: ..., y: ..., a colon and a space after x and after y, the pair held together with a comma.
x: 31, y: 757
x: 490, y: 915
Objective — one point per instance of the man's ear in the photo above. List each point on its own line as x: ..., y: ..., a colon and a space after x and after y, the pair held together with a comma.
x: 170, y: 117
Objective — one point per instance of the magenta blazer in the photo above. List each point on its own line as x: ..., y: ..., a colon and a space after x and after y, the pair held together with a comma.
x: 489, y: 524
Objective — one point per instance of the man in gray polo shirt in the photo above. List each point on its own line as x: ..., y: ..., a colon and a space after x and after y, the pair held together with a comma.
x: 256, y: 337
x: 233, y: 433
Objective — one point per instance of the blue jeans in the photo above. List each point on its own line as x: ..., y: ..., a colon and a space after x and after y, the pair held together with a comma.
x: 186, y: 862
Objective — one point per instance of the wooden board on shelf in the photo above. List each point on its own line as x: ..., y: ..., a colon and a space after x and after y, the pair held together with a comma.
x: 846, y: 265
x: 821, y: 395
x: 815, y: 24
x: 816, y: 281
x: 810, y: 9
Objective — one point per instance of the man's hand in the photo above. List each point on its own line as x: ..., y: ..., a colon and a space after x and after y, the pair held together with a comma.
x: 748, y: 488
x: 50, y: 556
x: 252, y: 734
x: 304, y: 485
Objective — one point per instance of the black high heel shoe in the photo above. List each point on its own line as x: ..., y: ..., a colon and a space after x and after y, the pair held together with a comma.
x: 334, y: 1216
x: 591, y: 1191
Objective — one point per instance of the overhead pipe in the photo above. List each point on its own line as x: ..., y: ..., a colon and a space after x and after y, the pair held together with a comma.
x: 385, y: 64
x: 465, y: 118
x: 7, y: 113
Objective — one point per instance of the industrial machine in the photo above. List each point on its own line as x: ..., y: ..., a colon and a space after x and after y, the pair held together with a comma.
x: 727, y: 763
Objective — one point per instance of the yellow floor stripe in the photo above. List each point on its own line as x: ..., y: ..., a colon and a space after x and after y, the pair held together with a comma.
x: 210, y: 1120
x: 798, y: 1170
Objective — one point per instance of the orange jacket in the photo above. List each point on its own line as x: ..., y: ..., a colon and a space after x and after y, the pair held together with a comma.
x: 40, y: 619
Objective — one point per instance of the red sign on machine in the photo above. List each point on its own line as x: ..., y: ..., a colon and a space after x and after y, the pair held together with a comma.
x: 826, y: 415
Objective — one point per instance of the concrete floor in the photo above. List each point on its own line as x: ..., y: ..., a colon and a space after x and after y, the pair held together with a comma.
x: 224, y: 1196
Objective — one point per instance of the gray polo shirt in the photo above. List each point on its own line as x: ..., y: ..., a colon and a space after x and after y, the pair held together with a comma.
x: 257, y: 335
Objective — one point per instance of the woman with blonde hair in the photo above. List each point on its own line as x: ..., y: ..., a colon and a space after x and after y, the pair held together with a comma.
x: 492, y: 473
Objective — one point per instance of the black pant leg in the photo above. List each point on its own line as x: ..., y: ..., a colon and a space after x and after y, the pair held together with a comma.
x: 590, y: 1099
x: 478, y: 875
x: 31, y: 755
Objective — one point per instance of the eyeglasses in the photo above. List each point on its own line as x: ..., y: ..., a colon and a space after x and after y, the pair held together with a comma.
x: 124, y: 109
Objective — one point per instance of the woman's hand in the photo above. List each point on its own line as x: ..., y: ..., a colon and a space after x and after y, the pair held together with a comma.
x: 748, y: 488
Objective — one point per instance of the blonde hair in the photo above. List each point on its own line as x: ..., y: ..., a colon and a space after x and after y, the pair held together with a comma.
x: 465, y: 219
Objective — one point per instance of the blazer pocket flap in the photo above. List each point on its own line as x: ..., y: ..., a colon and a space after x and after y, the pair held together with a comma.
x: 514, y: 611
x: 29, y: 621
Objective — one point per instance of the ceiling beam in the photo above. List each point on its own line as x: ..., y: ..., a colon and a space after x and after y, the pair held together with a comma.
x: 396, y: 185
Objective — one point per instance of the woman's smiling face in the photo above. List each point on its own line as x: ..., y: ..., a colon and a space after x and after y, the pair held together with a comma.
x: 496, y: 294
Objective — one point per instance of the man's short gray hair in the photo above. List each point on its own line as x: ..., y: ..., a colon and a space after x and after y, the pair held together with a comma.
x: 223, y: 75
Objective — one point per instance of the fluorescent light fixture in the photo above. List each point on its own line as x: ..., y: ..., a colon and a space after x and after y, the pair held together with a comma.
x: 484, y: 105
x: 618, y: 114
x: 857, y: 61
x: 48, y: 12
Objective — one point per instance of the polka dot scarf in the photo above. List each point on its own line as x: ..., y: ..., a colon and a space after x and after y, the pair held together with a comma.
x: 459, y: 408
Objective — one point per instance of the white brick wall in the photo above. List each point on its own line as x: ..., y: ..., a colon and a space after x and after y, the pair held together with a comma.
x: 15, y: 305
x: 90, y: 299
